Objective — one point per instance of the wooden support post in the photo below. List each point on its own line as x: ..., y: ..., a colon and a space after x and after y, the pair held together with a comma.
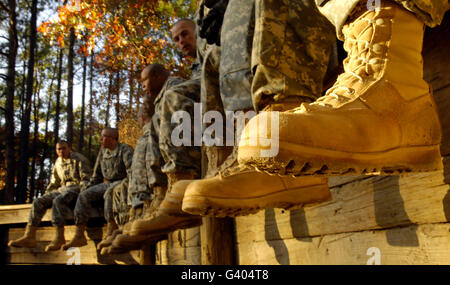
x: 217, y: 241
x: 147, y: 254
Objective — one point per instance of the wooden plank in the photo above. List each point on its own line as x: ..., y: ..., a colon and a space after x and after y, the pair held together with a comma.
x: 373, y: 203
x: 161, y: 257
x: 166, y: 255
x: 183, y: 247
x: 334, y: 181
x: 184, y: 256
x: 415, y: 244
x: 88, y: 254
x: 16, y: 214
x: 184, y: 238
x: 47, y: 233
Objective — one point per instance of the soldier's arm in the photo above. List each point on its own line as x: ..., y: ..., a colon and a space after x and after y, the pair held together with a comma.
x: 85, y: 171
x: 55, y: 181
x: 127, y: 157
x: 97, y: 176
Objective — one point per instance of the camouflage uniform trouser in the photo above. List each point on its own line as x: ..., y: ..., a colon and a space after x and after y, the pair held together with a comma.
x: 92, y: 195
x: 291, y: 48
x: 430, y: 12
x: 61, y: 201
x: 272, y: 51
x: 120, y: 209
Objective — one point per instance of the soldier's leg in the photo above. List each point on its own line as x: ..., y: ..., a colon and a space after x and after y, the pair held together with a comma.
x: 380, y: 116
x: 430, y: 12
x: 291, y: 48
x: 233, y: 192
x: 40, y: 206
x: 61, y: 210
x: 111, y: 210
x: 38, y: 209
x: 81, y: 213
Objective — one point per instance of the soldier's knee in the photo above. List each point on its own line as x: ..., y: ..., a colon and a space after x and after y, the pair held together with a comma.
x: 57, y: 201
x: 38, y: 203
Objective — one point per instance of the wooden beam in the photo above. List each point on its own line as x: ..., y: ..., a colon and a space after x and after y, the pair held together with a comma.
x: 17, y: 214
x: 87, y: 254
x: 415, y: 244
x: 373, y: 203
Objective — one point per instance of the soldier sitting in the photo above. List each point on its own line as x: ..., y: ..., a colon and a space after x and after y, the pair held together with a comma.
x: 130, y: 200
x: 111, y: 169
x: 70, y: 173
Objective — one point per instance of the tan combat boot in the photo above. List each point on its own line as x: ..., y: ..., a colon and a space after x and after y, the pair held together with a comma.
x: 124, y: 242
x: 79, y: 239
x: 28, y: 240
x: 159, y: 194
x: 239, y: 191
x: 111, y: 226
x: 58, y: 241
x: 169, y: 216
x: 379, y: 117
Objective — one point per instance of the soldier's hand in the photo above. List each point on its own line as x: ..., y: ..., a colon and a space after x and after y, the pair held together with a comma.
x: 211, y: 24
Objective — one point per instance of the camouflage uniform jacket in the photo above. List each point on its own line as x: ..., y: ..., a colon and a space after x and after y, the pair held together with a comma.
x: 112, y: 165
x: 138, y: 188
x: 153, y: 157
x: 75, y: 170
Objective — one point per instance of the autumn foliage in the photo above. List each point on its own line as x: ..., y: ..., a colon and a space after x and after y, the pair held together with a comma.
x: 124, y: 34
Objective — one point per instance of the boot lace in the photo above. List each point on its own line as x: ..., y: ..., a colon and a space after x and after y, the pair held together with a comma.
x: 357, y: 66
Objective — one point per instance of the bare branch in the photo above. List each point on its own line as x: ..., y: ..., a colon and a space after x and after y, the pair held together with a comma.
x: 3, y: 6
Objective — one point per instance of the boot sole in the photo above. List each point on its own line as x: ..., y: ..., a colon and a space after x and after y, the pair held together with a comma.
x: 125, y: 246
x: 297, y: 160
x: 289, y: 199
x: 178, y: 226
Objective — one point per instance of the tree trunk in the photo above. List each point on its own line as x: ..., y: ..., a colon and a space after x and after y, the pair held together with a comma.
x: 22, y: 177
x: 9, y: 106
x: 131, y: 85
x: 83, y: 95
x: 117, y: 92
x: 37, y: 104
x: 69, y: 133
x: 91, y: 102
x: 108, y: 100
x: 58, y: 99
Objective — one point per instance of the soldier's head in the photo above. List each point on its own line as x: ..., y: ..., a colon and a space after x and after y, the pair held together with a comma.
x: 63, y: 149
x: 183, y: 35
x: 109, y: 138
x: 153, y: 78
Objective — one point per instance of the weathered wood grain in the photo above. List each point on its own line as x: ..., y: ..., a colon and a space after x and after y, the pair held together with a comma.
x: 217, y: 241
x: 415, y: 244
x: 182, y: 247
x: 88, y: 253
x: 17, y: 214
x: 372, y: 203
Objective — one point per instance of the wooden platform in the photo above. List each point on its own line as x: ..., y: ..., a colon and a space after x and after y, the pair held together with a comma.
x: 13, y: 219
